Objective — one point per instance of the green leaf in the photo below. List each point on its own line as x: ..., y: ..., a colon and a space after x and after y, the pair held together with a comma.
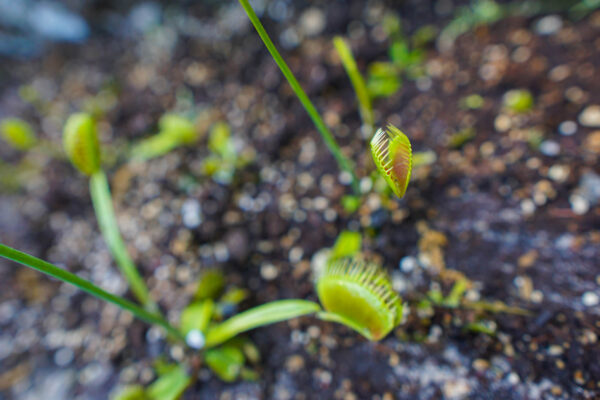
x: 518, y: 101
x: 360, y: 87
x: 265, y: 314
x: 175, y: 131
x: 220, y: 142
x: 226, y: 361
x: 383, y: 79
x: 350, y: 203
x: 170, y: 386
x: 18, y: 133
x: 179, y: 128
x: 131, y: 392
x: 210, y: 284
x: 456, y: 294
x: 196, y: 316
x: 347, y: 244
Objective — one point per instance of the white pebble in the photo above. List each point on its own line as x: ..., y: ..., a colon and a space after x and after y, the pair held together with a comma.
x: 567, y: 128
x: 195, y: 339
x: 590, y: 299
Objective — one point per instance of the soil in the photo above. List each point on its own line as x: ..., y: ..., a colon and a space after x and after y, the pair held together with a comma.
x: 502, y: 208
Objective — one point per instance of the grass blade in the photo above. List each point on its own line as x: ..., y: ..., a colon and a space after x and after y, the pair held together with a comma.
x: 360, y: 87
x: 342, y: 161
x: 88, y: 287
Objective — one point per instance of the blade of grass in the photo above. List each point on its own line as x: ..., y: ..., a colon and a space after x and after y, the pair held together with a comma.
x: 328, y: 138
x: 105, y: 214
x: 88, y: 287
x: 360, y: 87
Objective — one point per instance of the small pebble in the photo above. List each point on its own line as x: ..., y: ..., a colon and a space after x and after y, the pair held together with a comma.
x: 195, y: 339
x: 268, y: 272
x: 579, y: 204
x: 567, y: 128
x: 590, y: 116
x: 550, y: 148
x: 548, y: 25
x: 407, y: 264
x: 590, y: 299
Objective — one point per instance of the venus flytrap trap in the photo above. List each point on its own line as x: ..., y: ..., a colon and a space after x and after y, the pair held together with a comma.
x: 392, y: 153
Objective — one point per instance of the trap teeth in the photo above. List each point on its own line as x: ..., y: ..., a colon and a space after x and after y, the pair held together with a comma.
x: 392, y: 154
x: 359, y: 295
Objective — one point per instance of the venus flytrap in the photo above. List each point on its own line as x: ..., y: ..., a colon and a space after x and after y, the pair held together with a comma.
x: 82, y: 147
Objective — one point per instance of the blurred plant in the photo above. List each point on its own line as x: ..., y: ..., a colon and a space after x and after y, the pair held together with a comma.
x: 174, y: 131
x: 18, y: 133
x: 360, y: 87
x: 406, y: 58
x: 343, y: 162
x: 353, y: 293
x: 518, y: 101
x: 225, y: 155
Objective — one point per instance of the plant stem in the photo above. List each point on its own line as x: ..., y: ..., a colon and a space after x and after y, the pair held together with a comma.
x: 265, y: 314
x: 86, y: 286
x: 360, y: 87
x: 107, y: 221
x: 342, y: 161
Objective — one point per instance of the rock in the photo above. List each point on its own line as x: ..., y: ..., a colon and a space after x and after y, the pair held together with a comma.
x: 590, y: 116
x: 550, y: 148
x: 592, y: 142
x: 590, y: 299
x: 312, y: 21
x: 191, y: 213
x: 145, y: 16
x: 55, y: 22
x: 548, y: 25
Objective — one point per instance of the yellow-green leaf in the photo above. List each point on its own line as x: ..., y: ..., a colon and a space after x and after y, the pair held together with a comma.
x: 18, y: 133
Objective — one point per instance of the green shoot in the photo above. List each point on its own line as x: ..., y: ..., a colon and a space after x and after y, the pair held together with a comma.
x: 174, y: 131
x: 226, y: 361
x: 518, y: 101
x: 18, y: 133
x: 347, y: 244
x: 169, y: 386
x: 88, y: 287
x: 343, y: 162
x: 360, y: 87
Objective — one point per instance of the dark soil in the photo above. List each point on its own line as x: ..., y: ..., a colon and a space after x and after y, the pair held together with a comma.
x: 502, y: 201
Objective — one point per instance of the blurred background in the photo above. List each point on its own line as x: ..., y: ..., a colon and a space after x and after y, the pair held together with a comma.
x: 501, y: 101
